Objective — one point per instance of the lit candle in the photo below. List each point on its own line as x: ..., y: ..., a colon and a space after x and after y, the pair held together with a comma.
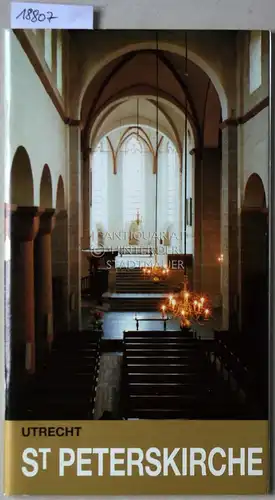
x: 163, y: 308
x: 202, y: 300
x: 206, y: 312
x: 173, y: 303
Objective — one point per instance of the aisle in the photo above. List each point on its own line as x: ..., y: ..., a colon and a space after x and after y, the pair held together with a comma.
x: 108, y: 388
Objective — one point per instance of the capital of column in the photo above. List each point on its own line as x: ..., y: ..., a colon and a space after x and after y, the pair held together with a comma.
x: 24, y: 222
x: 46, y: 221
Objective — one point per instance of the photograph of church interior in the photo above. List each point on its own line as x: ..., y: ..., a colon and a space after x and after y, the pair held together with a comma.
x: 136, y: 212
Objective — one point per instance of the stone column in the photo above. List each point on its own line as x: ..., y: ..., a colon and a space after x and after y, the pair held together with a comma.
x: 85, y: 241
x: 25, y: 224
x: 207, y: 223
x: 74, y: 228
x: 229, y: 227
x: 60, y: 272
x: 43, y: 285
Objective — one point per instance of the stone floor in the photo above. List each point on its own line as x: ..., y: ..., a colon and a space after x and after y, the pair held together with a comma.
x: 115, y: 322
x: 108, y: 389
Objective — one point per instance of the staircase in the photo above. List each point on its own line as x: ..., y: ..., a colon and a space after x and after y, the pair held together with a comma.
x: 136, y: 293
x: 133, y: 281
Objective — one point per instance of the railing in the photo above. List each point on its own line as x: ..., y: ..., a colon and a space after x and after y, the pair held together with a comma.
x: 85, y: 285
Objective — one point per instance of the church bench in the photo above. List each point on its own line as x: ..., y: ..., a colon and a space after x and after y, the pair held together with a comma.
x: 169, y: 352
x: 56, y: 413
x: 161, y: 414
x: 74, y: 344
x: 160, y: 368
x: 157, y: 333
x: 141, y: 358
x: 84, y: 334
x: 70, y: 390
x: 171, y: 401
x: 67, y: 362
x: 71, y: 372
x: 162, y: 345
x: 165, y: 388
x: 74, y: 350
x: 156, y: 341
x: 167, y: 377
x: 62, y: 398
x: 89, y: 358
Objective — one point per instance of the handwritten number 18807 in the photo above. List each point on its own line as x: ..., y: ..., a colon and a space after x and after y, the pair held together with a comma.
x: 35, y: 16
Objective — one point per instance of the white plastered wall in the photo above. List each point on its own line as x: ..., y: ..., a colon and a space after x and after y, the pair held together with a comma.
x: 35, y: 123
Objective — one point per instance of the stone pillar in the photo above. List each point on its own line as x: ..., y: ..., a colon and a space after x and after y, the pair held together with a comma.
x: 74, y: 228
x: 24, y: 227
x: 207, y: 223
x: 229, y: 228
x: 197, y: 262
x: 60, y: 272
x: 43, y: 285
x: 86, y: 212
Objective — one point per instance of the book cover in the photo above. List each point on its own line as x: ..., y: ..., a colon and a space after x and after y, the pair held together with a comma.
x: 136, y: 262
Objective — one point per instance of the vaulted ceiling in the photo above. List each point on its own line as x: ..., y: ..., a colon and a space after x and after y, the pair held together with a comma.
x: 173, y: 81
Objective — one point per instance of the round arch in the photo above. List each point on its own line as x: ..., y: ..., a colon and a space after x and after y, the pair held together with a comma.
x: 254, y: 193
x: 60, y: 195
x: 165, y: 47
x: 254, y: 263
x: 21, y: 179
x: 46, y: 192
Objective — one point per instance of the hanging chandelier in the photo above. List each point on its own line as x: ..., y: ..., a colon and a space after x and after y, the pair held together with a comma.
x: 156, y: 272
x: 189, y: 307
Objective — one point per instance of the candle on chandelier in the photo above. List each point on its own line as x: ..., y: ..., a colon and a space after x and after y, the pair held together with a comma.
x: 206, y: 312
x: 163, y: 309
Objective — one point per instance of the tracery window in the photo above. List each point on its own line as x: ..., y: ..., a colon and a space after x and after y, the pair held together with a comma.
x: 133, y: 179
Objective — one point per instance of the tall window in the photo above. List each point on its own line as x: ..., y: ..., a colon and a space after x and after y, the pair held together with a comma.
x: 255, y: 60
x: 99, y: 213
x: 172, y: 184
x: 133, y: 170
x: 59, y: 62
x: 48, y: 48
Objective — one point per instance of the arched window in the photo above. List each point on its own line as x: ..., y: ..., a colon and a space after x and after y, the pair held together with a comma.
x: 133, y: 175
x: 255, y: 60
x: 99, y: 192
